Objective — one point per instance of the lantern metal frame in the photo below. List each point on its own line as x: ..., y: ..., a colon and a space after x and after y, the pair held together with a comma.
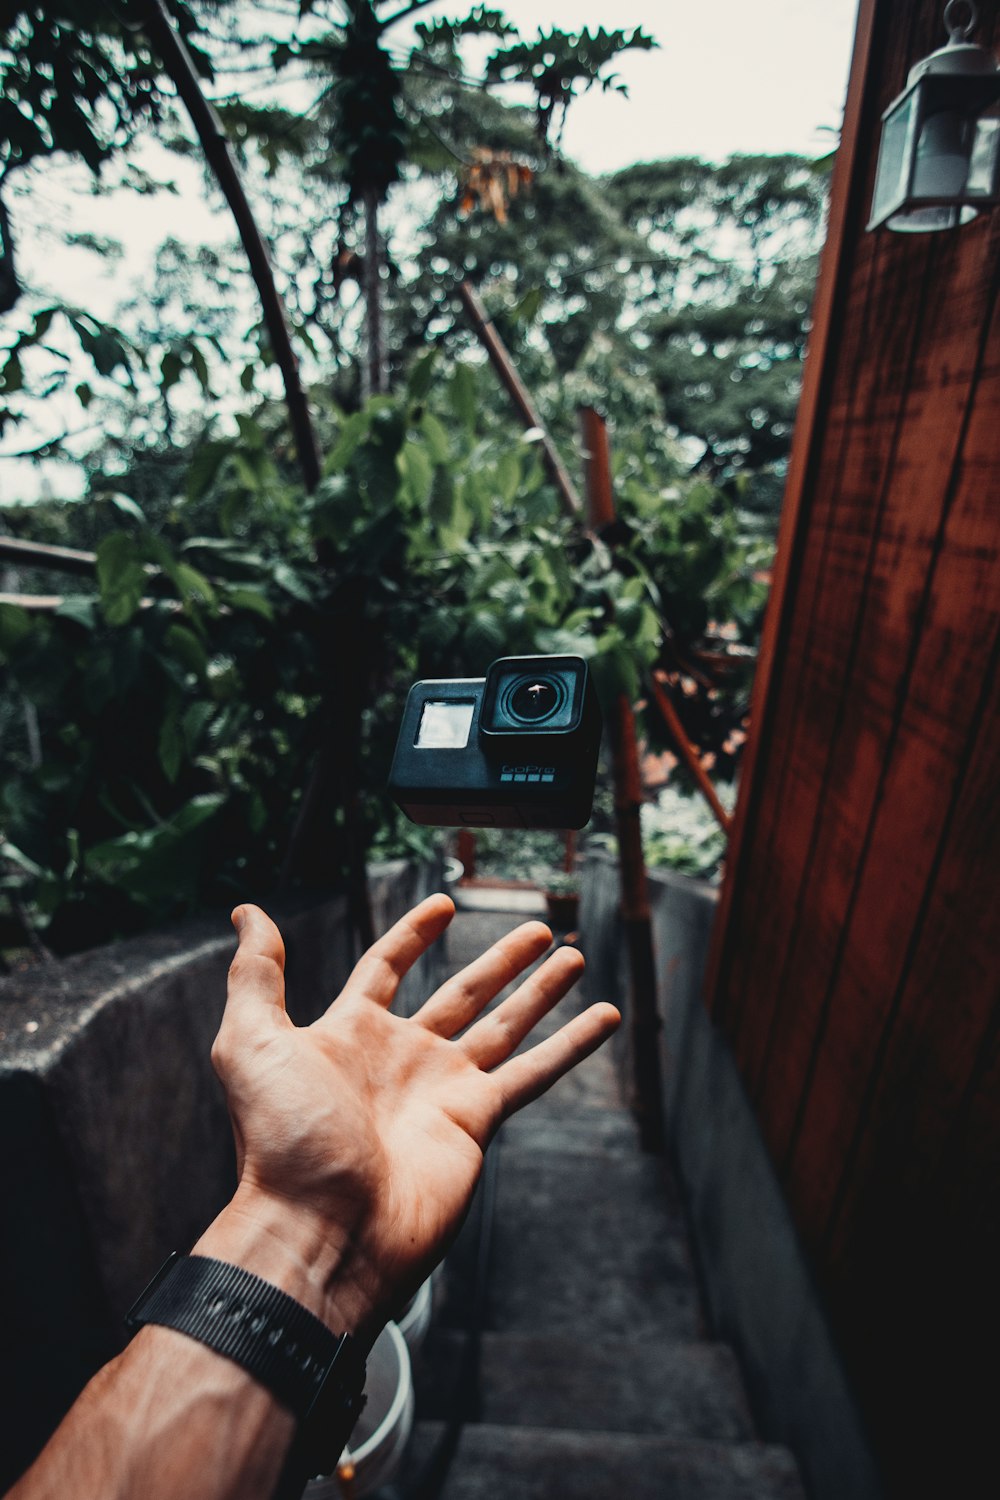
x: 960, y: 80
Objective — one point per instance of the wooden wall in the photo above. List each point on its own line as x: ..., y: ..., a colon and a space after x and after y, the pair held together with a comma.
x: 856, y: 960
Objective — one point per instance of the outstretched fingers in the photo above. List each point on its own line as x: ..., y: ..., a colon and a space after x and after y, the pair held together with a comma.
x: 501, y: 1031
x: 459, y: 1001
x: 377, y: 974
x: 525, y: 1077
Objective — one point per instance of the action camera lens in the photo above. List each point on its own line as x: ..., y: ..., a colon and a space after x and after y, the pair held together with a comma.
x: 534, y: 699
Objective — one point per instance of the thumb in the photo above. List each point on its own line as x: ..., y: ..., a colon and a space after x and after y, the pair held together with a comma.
x: 257, y: 972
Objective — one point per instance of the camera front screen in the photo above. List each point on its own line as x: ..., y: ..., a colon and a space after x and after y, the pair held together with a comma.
x: 445, y: 725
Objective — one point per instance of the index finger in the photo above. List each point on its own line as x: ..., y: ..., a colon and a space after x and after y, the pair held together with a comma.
x: 377, y: 974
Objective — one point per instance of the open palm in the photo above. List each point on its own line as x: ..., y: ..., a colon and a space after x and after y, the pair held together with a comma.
x: 376, y: 1124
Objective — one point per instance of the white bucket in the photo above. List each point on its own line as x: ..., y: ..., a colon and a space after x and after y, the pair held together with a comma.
x: 415, y: 1319
x: 384, y: 1426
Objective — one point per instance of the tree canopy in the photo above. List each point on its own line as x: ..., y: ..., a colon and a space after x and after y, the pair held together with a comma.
x: 159, y: 719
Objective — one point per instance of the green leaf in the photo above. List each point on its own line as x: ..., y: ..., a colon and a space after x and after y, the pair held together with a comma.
x: 528, y: 308
x: 257, y: 813
x: 197, y: 811
x: 186, y: 647
x: 436, y: 438
x: 485, y: 637
x: 126, y: 505
x: 11, y: 376
x: 462, y: 395
x: 421, y: 376
x: 120, y: 577
x: 194, y: 722
x: 246, y: 472
x: 293, y: 583
x: 98, y: 685
x: 251, y: 432
x: 157, y: 865
x: 79, y: 608
x: 170, y: 745
x: 199, y: 365
x: 353, y: 431
x: 171, y: 366
x: 417, y: 472
x: 16, y: 857
x: 192, y: 585
x: 15, y: 624
x: 204, y: 466
x: 250, y: 599
x: 509, y: 475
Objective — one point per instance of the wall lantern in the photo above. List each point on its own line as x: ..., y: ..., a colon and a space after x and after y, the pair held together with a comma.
x: 939, y: 161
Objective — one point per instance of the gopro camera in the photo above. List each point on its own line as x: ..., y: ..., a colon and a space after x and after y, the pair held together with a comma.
x: 514, y: 749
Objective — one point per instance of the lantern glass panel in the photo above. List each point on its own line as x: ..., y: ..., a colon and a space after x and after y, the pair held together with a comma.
x: 892, y: 178
x: 984, y: 159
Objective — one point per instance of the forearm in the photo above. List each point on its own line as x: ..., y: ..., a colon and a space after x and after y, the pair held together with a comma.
x: 171, y: 1418
x: 167, y: 1418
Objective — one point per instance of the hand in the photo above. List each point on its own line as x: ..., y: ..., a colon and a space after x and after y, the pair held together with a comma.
x: 361, y: 1137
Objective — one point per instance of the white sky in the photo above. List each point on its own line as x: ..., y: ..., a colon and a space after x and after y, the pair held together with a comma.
x: 729, y: 75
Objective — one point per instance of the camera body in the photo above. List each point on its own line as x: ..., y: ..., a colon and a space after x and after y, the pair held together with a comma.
x: 514, y: 749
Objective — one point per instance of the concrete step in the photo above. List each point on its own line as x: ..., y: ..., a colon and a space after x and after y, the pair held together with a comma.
x: 590, y: 1384
x: 590, y: 1242
x: 579, y: 1128
x: 520, y: 1463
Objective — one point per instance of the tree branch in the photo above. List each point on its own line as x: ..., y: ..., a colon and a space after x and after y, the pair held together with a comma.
x: 177, y: 62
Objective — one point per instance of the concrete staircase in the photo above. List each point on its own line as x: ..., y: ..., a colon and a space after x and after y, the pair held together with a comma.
x: 592, y: 1375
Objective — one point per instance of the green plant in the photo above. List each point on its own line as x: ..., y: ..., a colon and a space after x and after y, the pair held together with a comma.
x: 181, y: 701
x: 680, y: 832
x: 558, y: 882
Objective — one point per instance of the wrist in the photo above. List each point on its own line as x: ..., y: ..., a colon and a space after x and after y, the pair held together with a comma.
x: 300, y: 1253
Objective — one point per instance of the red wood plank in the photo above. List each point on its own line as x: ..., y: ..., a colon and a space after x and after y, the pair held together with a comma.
x: 857, y: 953
x: 928, y: 1048
x: 820, y: 673
x: 886, y: 792
x: 916, y: 1237
x: 901, y: 777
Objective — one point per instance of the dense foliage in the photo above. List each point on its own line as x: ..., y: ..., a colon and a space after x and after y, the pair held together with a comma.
x: 177, y: 717
x: 159, y: 726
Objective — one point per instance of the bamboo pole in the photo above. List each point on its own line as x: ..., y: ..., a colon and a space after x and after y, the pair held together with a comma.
x: 688, y: 753
x: 42, y: 555
x: 643, y: 1018
x: 518, y: 393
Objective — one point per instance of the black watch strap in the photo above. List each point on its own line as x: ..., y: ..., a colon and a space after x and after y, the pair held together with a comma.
x: 318, y: 1375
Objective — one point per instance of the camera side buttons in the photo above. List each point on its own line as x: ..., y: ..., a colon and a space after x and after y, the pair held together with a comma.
x: 527, y: 773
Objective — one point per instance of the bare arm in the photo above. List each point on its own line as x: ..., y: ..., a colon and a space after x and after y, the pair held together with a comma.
x: 359, y: 1142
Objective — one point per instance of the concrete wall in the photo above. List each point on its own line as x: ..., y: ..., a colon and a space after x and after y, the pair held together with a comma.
x: 115, y: 1145
x: 758, y: 1286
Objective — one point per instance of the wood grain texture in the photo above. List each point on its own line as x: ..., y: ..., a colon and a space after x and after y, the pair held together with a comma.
x: 857, y: 956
